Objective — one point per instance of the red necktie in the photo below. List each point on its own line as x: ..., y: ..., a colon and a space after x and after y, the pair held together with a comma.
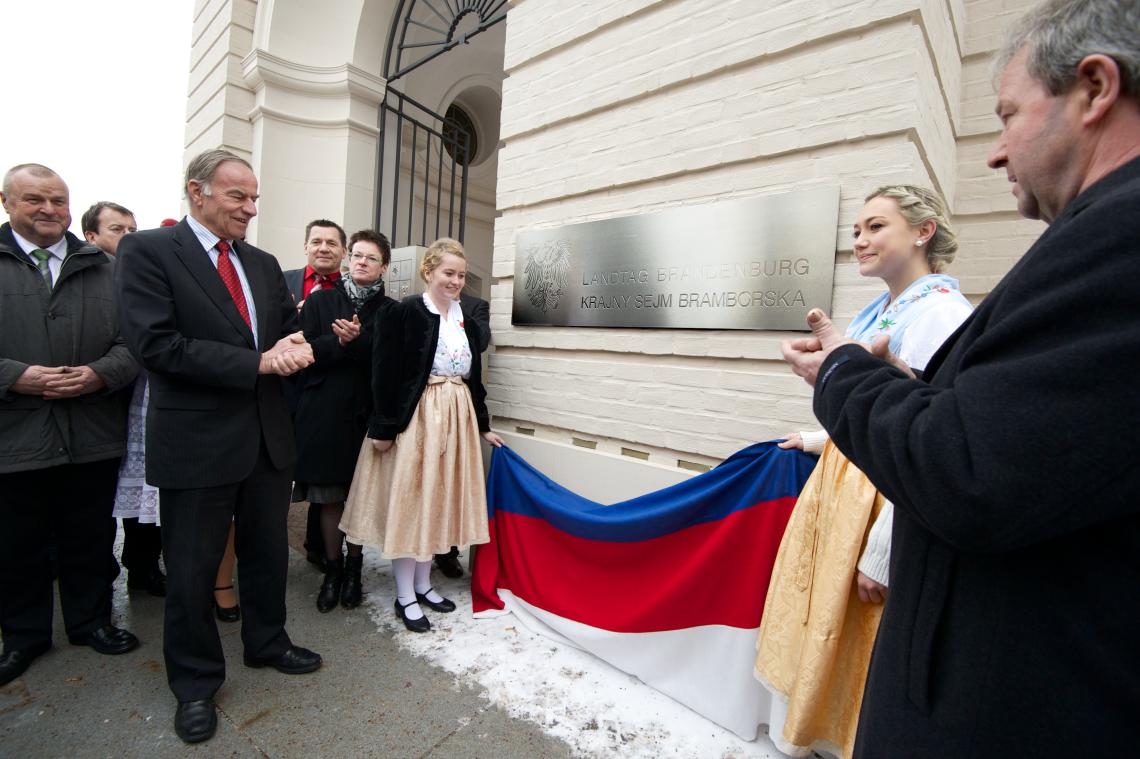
x: 229, y: 277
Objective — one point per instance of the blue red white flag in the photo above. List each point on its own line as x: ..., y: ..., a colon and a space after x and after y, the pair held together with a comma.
x: 668, y: 586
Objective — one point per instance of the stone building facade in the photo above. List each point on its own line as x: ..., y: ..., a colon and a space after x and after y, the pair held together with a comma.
x: 595, y: 109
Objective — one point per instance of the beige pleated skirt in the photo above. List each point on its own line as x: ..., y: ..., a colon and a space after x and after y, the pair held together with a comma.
x: 427, y: 492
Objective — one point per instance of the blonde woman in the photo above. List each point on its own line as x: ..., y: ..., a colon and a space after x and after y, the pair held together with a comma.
x: 830, y: 577
x: 419, y: 486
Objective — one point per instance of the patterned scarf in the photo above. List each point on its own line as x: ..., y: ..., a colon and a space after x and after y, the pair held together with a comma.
x: 360, y: 295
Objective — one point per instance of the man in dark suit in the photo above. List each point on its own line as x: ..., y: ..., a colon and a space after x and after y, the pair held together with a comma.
x: 104, y: 224
x: 1013, y: 606
x: 479, y: 311
x: 209, y: 317
x: 325, y: 248
x: 64, y: 374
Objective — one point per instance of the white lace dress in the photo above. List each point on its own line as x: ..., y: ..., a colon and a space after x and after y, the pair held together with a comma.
x: 133, y: 497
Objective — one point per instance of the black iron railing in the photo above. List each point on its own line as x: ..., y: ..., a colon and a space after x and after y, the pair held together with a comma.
x: 421, y: 154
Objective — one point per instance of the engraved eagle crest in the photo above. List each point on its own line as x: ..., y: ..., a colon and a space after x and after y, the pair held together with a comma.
x: 546, y: 267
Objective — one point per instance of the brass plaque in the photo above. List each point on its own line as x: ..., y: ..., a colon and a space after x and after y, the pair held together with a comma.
x: 757, y: 263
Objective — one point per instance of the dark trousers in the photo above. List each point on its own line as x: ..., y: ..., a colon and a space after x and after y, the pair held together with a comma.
x: 142, y: 545
x: 71, y: 505
x: 195, y: 524
x: 314, y: 537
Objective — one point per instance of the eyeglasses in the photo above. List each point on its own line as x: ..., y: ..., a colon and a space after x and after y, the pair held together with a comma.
x: 361, y: 257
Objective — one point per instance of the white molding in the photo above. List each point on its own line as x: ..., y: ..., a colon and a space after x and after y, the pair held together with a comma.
x: 261, y: 68
x: 264, y: 111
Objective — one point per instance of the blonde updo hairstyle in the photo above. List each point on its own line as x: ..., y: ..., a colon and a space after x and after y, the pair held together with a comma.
x: 918, y: 204
x: 433, y: 256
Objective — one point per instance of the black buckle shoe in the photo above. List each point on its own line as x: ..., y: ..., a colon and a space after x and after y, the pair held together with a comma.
x: 195, y: 721
x: 421, y: 625
x: 445, y: 606
x: 226, y: 613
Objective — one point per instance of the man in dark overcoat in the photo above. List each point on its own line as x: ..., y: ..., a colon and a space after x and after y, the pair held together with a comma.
x: 65, y: 375
x: 1011, y: 625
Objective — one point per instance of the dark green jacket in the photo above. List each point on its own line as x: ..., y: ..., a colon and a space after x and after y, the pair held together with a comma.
x: 73, y: 325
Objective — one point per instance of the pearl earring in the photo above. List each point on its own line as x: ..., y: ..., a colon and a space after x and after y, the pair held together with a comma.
x: 918, y: 243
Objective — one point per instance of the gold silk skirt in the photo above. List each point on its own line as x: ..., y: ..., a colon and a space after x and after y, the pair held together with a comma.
x: 816, y: 636
x: 427, y: 492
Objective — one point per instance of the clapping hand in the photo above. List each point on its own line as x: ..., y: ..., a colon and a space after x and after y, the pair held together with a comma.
x: 346, y: 331
x: 807, y: 354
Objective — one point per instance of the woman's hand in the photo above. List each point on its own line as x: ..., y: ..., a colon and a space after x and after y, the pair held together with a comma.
x: 870, y: 592
x: 792, y: 440
x: 346, y: 331
x: 493, y: 439
x: 381, y: 445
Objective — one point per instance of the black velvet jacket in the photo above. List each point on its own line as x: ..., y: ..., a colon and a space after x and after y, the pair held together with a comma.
x: 402, y: 355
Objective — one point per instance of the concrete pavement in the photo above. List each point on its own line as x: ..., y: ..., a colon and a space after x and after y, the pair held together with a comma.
x: 370, y: 699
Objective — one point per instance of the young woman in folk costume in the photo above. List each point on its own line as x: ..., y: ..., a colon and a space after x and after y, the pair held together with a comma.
x: 830, y: 578
x: 419, y: 487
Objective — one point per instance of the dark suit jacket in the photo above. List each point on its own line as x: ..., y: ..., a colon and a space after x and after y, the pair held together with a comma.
x: 402, y: 356
x: 1011, y: 625
x: 209, y: 409
x: 295, y: 282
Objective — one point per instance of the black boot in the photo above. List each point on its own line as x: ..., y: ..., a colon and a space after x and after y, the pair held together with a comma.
x: 351, y: 593
x: 331, y: 585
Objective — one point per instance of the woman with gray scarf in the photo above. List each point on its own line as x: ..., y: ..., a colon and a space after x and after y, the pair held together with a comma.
x: 335, y: 403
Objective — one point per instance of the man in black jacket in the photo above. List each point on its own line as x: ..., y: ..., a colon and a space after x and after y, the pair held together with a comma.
x: 1011, y: 625
x: 64, y: 371
x: 209, y: 317
x: 325, y: 248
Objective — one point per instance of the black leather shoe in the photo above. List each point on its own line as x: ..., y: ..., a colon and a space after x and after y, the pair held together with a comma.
x: 295, y: 661
x: 153, y: 582
x: 108, y: 639
x: 16, y: 662
x: 448, y: 563
x: 446, y: 605
x: 196, y: 721
x: 421, y: 625
x: 226, y: 613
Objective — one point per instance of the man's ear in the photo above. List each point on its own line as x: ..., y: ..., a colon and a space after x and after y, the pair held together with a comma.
x: 1097, y: 86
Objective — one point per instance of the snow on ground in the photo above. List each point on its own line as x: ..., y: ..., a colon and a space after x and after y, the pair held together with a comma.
x: 572, y: 695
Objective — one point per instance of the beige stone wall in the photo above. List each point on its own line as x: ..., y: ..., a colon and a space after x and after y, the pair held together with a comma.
x: 218, y: 105
x: 612, y: 109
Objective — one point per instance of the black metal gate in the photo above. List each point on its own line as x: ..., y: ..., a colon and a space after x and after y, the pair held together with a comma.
x: 421, y: 188
x: 421, y: 192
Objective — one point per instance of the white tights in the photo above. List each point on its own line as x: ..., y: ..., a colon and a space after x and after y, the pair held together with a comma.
x: 413, y: 577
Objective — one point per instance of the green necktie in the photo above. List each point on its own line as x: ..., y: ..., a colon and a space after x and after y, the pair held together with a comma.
x: 42, y: 257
